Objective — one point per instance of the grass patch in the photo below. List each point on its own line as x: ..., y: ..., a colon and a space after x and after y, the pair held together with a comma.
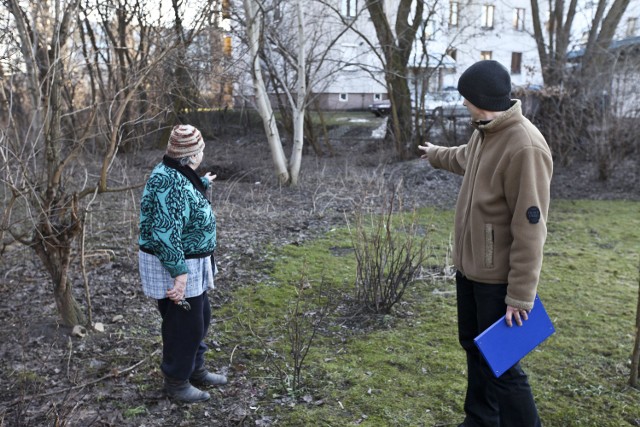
x: 134, y: 412
x: 408, y: 369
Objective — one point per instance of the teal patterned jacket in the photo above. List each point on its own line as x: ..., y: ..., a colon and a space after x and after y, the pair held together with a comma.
x: 176, y: 219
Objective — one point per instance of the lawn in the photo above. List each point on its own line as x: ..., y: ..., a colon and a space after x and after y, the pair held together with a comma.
x: 407, y: 369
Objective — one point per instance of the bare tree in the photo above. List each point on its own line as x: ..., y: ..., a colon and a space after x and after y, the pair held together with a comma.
x: 397, y: 42
x: 299, y: 105
x: 580, y: 90
x: 54, y: 213
x: 77, y: 91
x: 553, y: 38
x: 397, y: 45
x: 421, y: 62
x: 254, y: 25
x: 289, y: 60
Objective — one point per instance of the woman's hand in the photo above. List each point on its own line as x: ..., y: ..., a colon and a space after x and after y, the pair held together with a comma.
x: 179, y: 287
x: 210, y: 177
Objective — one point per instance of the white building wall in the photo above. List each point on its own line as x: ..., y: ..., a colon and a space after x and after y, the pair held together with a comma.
x: 360, y: 80
x: 468, y: 39
x: 501, y: 41
x: 630, y: 22
x: 353, y: 76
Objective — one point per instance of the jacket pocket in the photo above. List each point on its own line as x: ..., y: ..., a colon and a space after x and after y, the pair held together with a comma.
x: 488, y: 245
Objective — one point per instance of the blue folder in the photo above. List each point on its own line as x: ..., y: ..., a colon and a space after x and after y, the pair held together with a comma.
x: 503, y: 346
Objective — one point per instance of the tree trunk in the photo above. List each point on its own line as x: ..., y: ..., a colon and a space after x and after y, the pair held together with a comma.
x: 70, y: 311
x: 552, y: 49
x: 402, y: 124
x: 298, y: 142
x: 397, y: 49
x: 254, y: 32
x: 55, y: 254
x: 597, y: 56
x: 299, y: 107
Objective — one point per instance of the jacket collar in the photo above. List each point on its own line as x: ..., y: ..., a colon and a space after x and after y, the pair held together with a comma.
x: 187, y: 172
x: 513, y: 114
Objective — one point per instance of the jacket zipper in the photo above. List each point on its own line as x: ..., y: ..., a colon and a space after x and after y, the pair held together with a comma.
x: 472, y: 182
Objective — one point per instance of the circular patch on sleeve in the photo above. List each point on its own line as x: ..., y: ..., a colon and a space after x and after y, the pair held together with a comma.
x: 533, y: 214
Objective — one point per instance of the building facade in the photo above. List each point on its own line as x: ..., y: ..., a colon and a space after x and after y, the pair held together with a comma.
x: 454, y: 35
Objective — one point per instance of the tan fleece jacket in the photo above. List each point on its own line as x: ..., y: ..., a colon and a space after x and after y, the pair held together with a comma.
x: 501, y: 213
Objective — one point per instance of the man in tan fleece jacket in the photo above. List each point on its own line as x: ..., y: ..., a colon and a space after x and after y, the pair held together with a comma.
x: 500, y: 230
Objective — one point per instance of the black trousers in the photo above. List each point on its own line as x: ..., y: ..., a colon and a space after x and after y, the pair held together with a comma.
x: 506, y: 401
x: 183, y: 334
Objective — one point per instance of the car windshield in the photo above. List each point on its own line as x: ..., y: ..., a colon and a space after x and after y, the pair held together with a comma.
x: 444, y: 96
x: 446, y: 103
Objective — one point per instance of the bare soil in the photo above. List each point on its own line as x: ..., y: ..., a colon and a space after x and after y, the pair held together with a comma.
x: 111, y: 378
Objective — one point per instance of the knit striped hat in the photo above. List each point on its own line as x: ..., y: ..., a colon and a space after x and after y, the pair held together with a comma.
x: 185, y: 141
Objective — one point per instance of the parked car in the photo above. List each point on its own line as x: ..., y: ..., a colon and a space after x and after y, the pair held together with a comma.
x: 381, y: 108
x: 446, y: 103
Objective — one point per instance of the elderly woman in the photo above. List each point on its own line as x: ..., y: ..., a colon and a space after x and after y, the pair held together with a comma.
x: 177, y: 240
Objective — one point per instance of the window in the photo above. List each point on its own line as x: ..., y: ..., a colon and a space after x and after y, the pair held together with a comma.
x: 377, y: 96
x: 487, y: 15
x: 486, y: 54
x: 453, y: 13
x: 349, y: 8
x: 585, y: 37
x: 518, y: 19
x: 343, y: 97
x: 226, y: 46
x: 226, y: 9
x: 632, y: 25
x: 350, y: 57
x: 516, y: 63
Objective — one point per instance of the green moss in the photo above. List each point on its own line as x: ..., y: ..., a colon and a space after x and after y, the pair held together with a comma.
x: 134, y: 412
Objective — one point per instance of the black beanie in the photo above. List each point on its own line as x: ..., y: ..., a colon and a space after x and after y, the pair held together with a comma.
x: 487, y: 85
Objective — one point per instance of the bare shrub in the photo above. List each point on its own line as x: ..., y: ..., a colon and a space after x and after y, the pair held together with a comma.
x: 449, y: 131
x: 302, y: 322
x: 389, y: 252
x: 589, y: 117
x: 560, y: 119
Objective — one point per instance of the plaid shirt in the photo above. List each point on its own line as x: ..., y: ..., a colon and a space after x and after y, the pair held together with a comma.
x: 156, y: 280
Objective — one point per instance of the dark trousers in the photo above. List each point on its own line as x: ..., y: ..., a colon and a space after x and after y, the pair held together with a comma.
x: 183, y: 334
x: 506, y: 401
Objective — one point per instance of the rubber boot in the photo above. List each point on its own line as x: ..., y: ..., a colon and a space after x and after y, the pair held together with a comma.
x: 183, y: 391
x: 202, y: 377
